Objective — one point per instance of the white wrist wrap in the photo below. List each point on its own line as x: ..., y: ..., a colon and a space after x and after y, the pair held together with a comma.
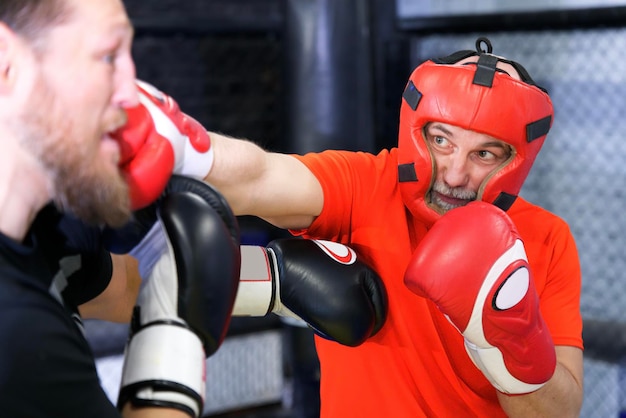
x: 255, y: 292
x: 167, y: 364
x: 491, y: 362
x: 195, y: 164
x: 259, y: 285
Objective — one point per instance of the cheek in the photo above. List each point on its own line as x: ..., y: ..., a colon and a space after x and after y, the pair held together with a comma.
x: 87, y: 132
x: 92, y: 117
x: 479, y: 174
x: 438, y: 162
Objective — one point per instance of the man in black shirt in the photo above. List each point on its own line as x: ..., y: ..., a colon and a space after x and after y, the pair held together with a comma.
x: 66, y: 76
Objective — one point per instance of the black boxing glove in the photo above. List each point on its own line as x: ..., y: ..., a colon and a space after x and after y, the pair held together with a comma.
x: 320, y: 282
x: 185, y: 302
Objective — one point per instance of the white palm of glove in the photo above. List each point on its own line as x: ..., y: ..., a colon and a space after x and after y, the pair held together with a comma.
x: 157, y: 298
x: 158, y: 340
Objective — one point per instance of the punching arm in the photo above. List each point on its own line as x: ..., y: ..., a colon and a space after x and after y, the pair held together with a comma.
x: 276, y: 187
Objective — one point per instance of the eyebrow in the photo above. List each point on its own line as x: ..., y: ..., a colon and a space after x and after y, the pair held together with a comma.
x: 121, y: 31
x: 441, y: 128
x: 499, y: 144
x: 123, y: 26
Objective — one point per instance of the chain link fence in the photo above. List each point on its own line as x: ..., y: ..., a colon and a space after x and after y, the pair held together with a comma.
x: 581, y: 172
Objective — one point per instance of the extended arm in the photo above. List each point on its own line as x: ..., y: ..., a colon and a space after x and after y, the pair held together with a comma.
x: 160, y: 140
x: 561, y: 396
x: 276, y: 187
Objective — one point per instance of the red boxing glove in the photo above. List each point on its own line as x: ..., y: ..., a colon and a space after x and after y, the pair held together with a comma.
x: 473, y: 266
x: 157, y: 141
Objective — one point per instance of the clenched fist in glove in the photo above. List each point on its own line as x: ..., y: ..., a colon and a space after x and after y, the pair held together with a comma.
x: 189, y: 261
x: 158, y: 140
x: 473, y: 266
x: 321, y: 282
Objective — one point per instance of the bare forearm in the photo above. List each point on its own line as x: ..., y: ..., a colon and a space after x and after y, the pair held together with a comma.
x: 116, y: 303
x: 561, y: 397
x: 239, y: 171
x: 131, y: 412
x: 276, y: 187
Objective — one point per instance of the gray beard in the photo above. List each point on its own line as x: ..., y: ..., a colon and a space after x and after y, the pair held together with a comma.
x: 448, y: 191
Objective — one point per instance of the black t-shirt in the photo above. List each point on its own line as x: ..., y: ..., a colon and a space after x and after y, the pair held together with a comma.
x: 47, y: 368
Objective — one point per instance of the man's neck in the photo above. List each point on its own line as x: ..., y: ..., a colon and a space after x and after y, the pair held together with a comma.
x: 24, y: 189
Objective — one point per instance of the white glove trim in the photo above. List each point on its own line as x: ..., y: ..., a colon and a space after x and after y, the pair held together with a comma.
x: 258, y: 293
x: 188, y: 161
x: 491, y: 362
x: 278, y: 308
x: 196, y: 164
x: 162, y: 353
x: 486, y: 357
x: 338, y: 252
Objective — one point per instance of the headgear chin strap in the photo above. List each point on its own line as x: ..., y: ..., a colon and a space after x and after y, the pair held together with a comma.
x: 478, y: 97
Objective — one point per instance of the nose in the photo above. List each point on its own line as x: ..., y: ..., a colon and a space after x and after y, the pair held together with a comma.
x: 454, y: 171
x: 126, y: 94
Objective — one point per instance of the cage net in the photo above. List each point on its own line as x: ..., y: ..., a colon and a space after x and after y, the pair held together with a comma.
x: 231, y: 82
x: 581, y: 171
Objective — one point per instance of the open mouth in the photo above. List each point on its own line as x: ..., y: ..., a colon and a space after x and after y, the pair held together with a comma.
x: 447, y: 202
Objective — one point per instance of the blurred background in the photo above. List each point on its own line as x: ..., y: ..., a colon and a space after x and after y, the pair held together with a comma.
x: 308, y: 75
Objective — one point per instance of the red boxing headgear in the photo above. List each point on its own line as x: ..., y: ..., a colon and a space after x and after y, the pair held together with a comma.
x: 479, y: 97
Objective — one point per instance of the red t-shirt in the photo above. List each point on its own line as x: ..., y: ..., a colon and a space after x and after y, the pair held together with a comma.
x: 417, y: 366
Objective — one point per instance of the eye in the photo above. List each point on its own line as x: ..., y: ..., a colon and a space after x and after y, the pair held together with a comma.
x: 438, y: 143
x: 439, y: 140
x: 487, y: 155
x: 111, y: 53
x: 109, y: 58
x: 494, y: 156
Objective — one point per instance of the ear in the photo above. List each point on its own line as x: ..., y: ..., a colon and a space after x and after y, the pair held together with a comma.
x: 8, y: 44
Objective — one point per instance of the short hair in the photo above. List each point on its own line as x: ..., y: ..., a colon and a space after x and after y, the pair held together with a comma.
x: 31, y: 19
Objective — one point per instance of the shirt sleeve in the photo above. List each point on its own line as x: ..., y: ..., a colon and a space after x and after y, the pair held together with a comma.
x: 91, y: 279
x: 352, y: 182
x: 87, y: 265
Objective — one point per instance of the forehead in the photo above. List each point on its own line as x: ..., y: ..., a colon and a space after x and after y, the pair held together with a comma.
x: 99, y: 16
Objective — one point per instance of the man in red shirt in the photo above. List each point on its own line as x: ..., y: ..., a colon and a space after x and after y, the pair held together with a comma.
x: 471, y: 125
x: 483, y: 286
